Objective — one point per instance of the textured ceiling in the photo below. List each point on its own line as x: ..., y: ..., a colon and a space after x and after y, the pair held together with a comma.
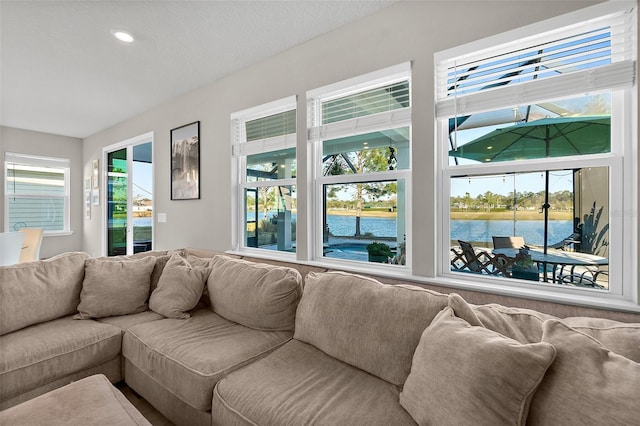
x: 62, y: 72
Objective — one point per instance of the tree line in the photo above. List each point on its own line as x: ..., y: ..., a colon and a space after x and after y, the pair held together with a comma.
x: 489, y: 201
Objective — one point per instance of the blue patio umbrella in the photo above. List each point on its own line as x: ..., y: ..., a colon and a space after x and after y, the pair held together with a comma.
x: 547, y: 137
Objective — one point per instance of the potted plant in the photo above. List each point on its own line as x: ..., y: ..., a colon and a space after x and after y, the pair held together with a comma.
x: 524, y: 268
x: 379, y: 252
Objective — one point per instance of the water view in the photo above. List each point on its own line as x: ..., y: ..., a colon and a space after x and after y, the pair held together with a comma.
x: 479, y: 232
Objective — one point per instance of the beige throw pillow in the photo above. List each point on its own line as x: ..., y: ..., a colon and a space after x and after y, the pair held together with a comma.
x: 115, y: 287
x: 588, y: 384
x: 179, y: 288
x: 36, y: 292
x: 161, y: 260
x: 463, y: 375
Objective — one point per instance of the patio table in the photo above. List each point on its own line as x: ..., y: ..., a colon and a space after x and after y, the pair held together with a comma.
x: 557, y: 258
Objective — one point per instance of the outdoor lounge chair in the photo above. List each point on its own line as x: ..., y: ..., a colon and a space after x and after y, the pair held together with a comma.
x: 479, y: 261
x: 574, y: 238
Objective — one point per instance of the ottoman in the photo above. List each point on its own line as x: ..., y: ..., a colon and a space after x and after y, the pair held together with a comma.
x: 90, y: 401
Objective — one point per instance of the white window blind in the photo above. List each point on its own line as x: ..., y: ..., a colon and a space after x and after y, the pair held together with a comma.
x: 593, y: 55
x: 381, y: 99
x: 365, y: 104
x: 273, y: 125
x: 36, y: 192
x: 269, y: 127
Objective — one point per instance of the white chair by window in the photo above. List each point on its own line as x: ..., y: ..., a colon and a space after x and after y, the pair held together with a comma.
x: 31, y: 245
x: 10, y: 247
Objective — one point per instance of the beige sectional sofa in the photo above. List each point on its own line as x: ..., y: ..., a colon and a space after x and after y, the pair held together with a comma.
x: 228, y: 341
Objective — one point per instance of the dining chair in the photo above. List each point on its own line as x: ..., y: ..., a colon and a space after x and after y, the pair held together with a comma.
x: 10, y: 247
x: 31, y: 245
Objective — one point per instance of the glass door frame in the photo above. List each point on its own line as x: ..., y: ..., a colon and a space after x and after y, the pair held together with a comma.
x: 129, y: 144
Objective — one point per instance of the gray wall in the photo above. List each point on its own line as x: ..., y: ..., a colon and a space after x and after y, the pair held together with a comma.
x: 44, y: 144
x: 407, y: 31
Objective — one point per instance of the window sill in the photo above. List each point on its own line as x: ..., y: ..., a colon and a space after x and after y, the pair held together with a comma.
x: 569, y: 296
x: 46, y: 234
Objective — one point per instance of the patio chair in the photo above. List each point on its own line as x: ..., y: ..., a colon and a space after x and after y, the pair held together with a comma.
x: 582, y: 276
x: 575, y: 238
x: 508, y: 242
x: 482, y: 262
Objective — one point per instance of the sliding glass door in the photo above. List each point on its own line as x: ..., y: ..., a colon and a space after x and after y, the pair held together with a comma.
x: 129, y: 197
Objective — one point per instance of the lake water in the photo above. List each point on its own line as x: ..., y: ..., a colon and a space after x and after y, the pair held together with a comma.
x: 467, y: 230
x: 531, y: 230
x: 142, y: 221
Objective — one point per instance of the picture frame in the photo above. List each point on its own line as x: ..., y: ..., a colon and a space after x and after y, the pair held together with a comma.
x: 95, y: 173
x: 185, y: 162
x: 87, y: 204
x: 87, y: 197
x: 95, y: 197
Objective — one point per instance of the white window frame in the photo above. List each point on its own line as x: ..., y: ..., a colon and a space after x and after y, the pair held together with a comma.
x: 318, y: 132
x: 622, y: 162
x: 239, y: 150
x: 45, y: 162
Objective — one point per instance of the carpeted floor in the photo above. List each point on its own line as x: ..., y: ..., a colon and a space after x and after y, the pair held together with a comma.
x: 151, y: 414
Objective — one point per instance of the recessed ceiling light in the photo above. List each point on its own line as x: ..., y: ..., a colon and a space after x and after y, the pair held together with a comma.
x: 123, y: 36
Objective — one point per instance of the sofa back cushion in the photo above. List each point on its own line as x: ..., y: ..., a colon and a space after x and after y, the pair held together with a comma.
x: 256, y: 295
x: 113, y: 288
x: 370, y: 325
x: 619, y: 337
x: 587, y: 384
x: 523, y: 325
x: 36, y: 292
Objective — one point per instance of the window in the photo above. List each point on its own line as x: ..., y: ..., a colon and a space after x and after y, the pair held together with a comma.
x: 264, y: 150
x: 361, y: 133
x: 36, y: 193
x: 534, y: 144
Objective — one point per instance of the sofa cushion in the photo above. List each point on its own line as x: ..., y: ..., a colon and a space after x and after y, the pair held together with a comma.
x: 523, y: 325
x: 256, y: 295
x: 463, y: 374
x: 365, y: 323
x: 619, y: 337
x: 115, y: 287
x: 125, y: 322
x: 43, y: 353
x: 179, y: 288
x: 189, y: 356
x: 586, y: 384
x: 90, y: 401
x: 300, y: 267
x: 40, y: 291
x: 298, y: 384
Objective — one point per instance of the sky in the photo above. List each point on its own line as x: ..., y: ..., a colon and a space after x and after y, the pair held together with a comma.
x: 142, y: 179
x: 559, y: 180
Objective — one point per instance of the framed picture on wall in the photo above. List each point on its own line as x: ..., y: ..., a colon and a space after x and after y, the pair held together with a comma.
x: 185, y: 162
x: 95, y: 173
x: 87, y: 198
